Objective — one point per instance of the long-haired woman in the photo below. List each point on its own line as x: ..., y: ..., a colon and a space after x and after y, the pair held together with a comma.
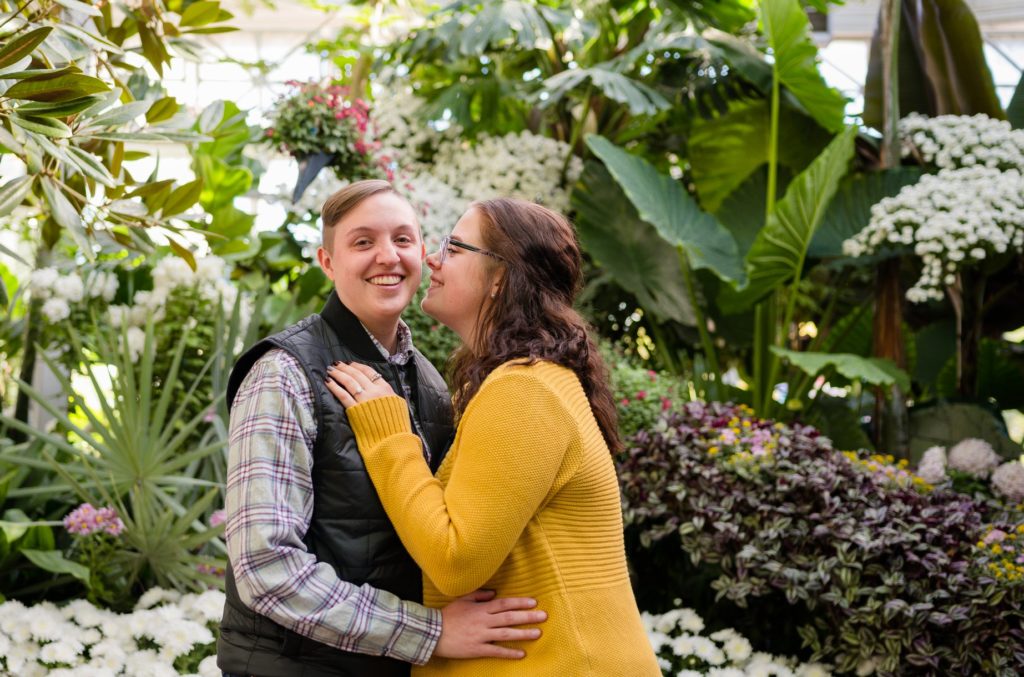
x: 526, y: 501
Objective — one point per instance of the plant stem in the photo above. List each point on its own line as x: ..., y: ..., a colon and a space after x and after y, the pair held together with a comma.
x: 577, y: 130
x: 712, y: 374
x: 16, y: 13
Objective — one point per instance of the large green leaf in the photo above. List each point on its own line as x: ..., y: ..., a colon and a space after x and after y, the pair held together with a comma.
x: 850, y: 210
x: 498, y: 22
x: 200, y: 13
x: 638, y: 97
x: 796, y: 64
x: 664, y: 203
x: 780, y: 249
x: 868, y: 370
x: 65, y: 213
x: 1015, y: 111
x: 221, y: 182
x: 628, y: 248
x: 61, y: 88
x: 942, y: 67
x: 725, y: 150
x: 54, y: 562
x: 22, y: 46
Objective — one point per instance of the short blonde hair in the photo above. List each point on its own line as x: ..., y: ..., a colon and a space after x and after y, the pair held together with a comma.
x: 345, y: 200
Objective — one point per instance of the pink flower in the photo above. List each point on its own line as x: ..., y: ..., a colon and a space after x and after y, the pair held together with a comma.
x: 270, y: 132
x: 641, y: 394
x: 217, y: 518
x: 995, y: 536
x: 666, y: 404
x: 86, y: 520
x: 625, y: 401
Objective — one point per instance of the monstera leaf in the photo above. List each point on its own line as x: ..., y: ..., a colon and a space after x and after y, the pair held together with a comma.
x: 627, y: 247
x: 638, y: 97
x: 664, y: 203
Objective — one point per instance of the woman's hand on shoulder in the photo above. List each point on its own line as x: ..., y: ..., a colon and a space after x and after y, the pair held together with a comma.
x: 355, y: 383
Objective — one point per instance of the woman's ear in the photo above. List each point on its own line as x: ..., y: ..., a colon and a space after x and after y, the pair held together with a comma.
x: 496, y: 285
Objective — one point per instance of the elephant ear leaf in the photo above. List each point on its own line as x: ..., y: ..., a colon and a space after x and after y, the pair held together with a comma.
x: 780, y: 248
x: 629, y: 249
x: 663, y: 202
x: 1015, y: 111
x: 868, y: 370
x: 796, y: 62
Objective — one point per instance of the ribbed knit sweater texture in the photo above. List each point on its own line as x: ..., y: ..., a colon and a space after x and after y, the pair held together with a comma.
x: 526, y: 503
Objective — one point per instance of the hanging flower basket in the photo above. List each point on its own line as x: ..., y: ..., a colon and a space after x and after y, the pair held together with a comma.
x: 321, y: 126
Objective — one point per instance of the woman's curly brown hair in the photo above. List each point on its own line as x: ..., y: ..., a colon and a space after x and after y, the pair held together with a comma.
x: 532, y: 317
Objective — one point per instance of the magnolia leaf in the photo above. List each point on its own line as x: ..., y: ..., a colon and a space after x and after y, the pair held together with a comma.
x: 13, y: 192
x: 779, y: 251
x: 115, y: 117
x: 129, y: 208
x: 62, y: 88
x: 64, y: 213
x: 45, y: 126
x: 54, y: 562
x: 22, y: 46
x: 200, y: 13
x: 796, y: 66
x: 89, y: 164
x: 9, y: 72
x: 183, y: 252
x: 182, y: 197
x: 869, y: 370
x: 80, y: 7
x: 664, y: 203
x: 211, y: 117
x: 127, y: 136
x: 58, y: 109
x: 162, y: 109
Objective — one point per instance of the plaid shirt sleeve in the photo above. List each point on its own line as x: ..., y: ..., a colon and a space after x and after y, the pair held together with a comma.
x: 269, y: 505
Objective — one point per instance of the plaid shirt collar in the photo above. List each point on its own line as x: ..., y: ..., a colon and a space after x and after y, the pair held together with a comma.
x: 403, y: 353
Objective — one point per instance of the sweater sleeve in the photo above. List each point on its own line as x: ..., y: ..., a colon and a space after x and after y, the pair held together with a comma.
x: 512, y: 440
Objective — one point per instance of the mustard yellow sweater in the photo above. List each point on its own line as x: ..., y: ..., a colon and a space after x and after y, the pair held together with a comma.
x: 526, y: 503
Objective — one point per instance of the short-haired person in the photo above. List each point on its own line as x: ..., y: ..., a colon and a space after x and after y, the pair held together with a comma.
x: 526, y: 501
x: 318, y: 582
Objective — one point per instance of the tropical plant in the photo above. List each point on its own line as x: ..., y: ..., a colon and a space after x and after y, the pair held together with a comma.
x: 135, y: 452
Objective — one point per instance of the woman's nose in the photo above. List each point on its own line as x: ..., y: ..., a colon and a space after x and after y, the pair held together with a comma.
x: 434, y: 261
x: 387, y: 253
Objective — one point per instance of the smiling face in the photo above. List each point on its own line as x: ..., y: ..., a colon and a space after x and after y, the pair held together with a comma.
x: 461, y: 288
x: 374, y: 255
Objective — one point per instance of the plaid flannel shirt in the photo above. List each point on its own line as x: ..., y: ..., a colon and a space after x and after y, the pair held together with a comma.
x: 269, y: 506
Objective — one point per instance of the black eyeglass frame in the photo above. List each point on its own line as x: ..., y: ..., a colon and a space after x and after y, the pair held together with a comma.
x: 447, y: 241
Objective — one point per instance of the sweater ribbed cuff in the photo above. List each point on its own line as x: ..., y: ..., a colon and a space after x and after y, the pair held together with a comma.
x: 375, y: 420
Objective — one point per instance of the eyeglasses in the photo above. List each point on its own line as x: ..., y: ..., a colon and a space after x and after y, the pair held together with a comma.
x: 447, y: 242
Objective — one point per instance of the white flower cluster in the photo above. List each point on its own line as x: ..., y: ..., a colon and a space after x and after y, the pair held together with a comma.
x: 523, y: 165
x: 401, y: 131
x: 725, y: 653
x: 955, y: 141
x: 1008, y: 480
x: 81, y: 640
x: 437, y: 204
x: 953, y: 219
x: 59, y: 290
x: 169, y: 274
x: 932, y: 467
x: 973, y: 456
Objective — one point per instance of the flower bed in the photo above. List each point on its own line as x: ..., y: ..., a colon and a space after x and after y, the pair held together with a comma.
x: 882, y: 571
x: 167, y: 634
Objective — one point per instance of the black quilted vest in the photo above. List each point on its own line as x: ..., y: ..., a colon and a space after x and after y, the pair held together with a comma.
x: 349, y: 529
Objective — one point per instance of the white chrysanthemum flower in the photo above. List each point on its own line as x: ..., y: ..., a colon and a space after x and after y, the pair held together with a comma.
x: 62, y: 652
x: 206, y: 607
x: 1008, y: 480
x: 737, y: 649
x: 136, y: 339
x: 44, y: 622
x: 973, y: 456
x: 5, y: 644
x: 726, y: 672
x: 155, y: 596
x: 69, y: 287
x: 208, y: 667
x: 40, y: 282
x: 56, y: 310
x: 813, y: 670
x: 932, y: 468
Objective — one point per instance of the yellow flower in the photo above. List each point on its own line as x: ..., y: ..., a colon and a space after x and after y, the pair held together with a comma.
x: 997, y: 549
x: 746, y: 424
x: 712, y: 451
